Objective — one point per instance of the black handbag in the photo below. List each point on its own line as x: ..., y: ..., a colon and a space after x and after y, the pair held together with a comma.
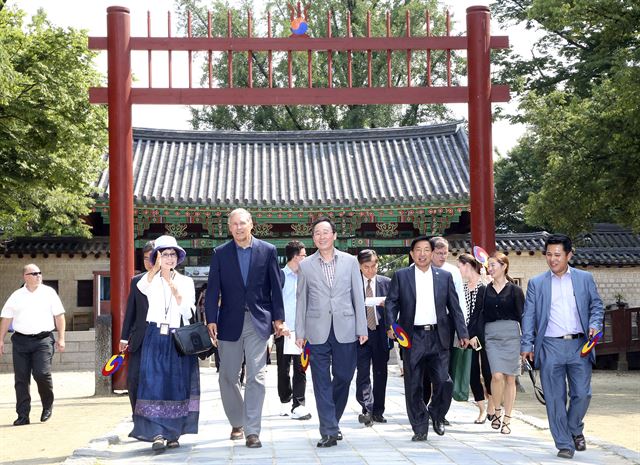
x: 193, y: 339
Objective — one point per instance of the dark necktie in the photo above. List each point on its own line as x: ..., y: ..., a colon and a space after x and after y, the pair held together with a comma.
x: 371, y: 315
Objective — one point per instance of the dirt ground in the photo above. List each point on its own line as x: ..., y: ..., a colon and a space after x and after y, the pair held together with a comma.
x: 79, y: 417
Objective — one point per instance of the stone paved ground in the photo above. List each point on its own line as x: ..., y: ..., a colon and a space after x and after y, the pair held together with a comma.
x: 287, y: 441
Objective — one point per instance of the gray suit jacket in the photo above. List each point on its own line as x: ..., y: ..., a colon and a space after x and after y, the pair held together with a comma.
x: 318, y: 305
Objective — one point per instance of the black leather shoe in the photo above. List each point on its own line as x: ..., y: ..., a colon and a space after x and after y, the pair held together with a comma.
x: 365, y: 419
x: 253, y: 442
x: 580, y: 442
x: 445, y: 422
x: 378, y: 418
x: 46, y: 414
x: 419, y: 437
x: 21, y: 421
x: 339, y: 435
x: 328, y: 441
x: 565, y: 453
x: 237, y: 433
x: 438, y: 425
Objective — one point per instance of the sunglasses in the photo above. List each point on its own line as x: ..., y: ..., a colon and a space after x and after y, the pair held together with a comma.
x: 34, y: 273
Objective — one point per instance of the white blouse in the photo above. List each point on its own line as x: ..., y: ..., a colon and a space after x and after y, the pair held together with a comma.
x: 163, y: 307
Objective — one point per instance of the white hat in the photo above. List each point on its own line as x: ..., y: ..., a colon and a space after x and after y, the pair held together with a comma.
x: 167, y: 242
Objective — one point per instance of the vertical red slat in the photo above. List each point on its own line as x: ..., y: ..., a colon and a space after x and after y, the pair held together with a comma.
x: 329, y: 53
x: 388, y: 51
x: 480, y: 145
x: 428, y: 22
x: 210, y: 53
x: 249, y: 53
x: 229, y: 52
x: 349, y: 83
x: 169, y: 51
x: 190, y: 55
x: 270, y: 53
x: 120, y: 171
x: 448, y: 51
x: 149, y: 51
x: 309, y: 70
x: 408, y: 33
x: 369, y: 72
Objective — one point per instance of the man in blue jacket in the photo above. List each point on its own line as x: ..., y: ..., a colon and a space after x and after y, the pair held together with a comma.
x: 562, y: 309
x: 243, y: 304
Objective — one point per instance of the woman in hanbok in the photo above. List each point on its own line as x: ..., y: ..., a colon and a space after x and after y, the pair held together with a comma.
x: 168, y: 404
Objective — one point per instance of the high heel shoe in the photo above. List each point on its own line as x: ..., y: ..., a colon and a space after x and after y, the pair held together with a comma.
x: 506, y: 429
x: 495, y: 423
x: 481, y: 418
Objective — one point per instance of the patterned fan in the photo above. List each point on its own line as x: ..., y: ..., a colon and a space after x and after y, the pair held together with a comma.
x: 401, y: 336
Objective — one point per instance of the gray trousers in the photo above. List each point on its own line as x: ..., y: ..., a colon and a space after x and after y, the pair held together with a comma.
x: 252, y: 347
x: 561, y: 364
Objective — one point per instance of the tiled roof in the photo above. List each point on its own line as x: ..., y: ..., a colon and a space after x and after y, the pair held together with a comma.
x: 425, y: 164
x: 607, y: 245
x: 56, y: 246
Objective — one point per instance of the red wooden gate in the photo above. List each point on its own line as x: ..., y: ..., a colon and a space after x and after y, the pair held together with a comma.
x: 120, y: 96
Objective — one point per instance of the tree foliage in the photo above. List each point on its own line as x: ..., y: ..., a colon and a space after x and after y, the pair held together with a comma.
x: 274, y: 118
x: 51, y: 138
x: 580, y: 98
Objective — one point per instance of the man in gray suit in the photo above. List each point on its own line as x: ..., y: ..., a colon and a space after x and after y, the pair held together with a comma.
x: 561, y: 309
x: 330, y: 315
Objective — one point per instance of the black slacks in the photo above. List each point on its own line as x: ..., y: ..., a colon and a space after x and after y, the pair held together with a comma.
x: 480, y: 364
x: 32, y: 356
x: 373, y: 354
x: 290, y: 388
x: 426, y: 355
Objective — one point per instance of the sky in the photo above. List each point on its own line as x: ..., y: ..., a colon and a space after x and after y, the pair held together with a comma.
x: 91, y: 15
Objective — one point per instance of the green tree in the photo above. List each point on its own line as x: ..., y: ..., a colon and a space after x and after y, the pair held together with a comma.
x: 580, y: 98
x: 51, y: 138
x: 274, y: 118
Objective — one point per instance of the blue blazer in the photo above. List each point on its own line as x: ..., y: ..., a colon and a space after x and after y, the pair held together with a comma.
x: 400, y: 304
x: 537, y: 306
x: 227, y: 296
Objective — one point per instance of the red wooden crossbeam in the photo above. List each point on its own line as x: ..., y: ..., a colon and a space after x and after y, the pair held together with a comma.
x: 300, y: 95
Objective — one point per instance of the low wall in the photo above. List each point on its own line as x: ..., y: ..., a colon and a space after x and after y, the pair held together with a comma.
x: 79, y: 354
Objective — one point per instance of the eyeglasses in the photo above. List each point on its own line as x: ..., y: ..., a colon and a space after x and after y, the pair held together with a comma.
x: 169, y: 255
x: 34, y: 273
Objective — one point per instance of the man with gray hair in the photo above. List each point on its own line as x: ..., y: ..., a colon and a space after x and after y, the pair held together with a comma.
x: 243, y: 306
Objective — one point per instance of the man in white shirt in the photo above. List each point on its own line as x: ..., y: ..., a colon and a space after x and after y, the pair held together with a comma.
x: 439, y: 260
x: 33, y: 309
x: 423, y: 300
x: 291, y: 388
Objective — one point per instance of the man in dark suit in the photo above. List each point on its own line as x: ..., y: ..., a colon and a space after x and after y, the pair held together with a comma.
x: 243, y: 305
x: 562, y: 309
x: 134, y: 326
x: 376, y: 351
x: 418, y: 299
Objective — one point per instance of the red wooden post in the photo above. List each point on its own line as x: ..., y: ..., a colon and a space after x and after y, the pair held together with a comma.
x: 480, y: 147
x: 120, y: 170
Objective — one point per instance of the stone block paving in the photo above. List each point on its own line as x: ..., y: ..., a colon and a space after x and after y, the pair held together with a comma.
x: 287, y: 441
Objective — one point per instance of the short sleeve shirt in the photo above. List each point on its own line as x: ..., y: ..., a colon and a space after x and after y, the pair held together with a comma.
x: 33, y: 312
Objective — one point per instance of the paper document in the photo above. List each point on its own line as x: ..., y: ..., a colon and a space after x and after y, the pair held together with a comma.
x: 373, y: 301
x: 290, y: 347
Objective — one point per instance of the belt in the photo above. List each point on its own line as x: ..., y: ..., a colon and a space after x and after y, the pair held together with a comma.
x: 570, y: 336
x: 41, y: 335
x: 425, y: 328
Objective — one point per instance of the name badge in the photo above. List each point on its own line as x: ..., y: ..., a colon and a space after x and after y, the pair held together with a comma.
x: 164, y: 329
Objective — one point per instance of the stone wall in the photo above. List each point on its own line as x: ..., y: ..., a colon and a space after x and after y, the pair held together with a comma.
x: 65, y: 269
x: 79, y: 354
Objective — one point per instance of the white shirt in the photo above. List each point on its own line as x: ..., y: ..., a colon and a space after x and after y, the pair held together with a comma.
x: 563, y: 312
x: 163, y: 307
x: 425, y: 298
x: 33, y: 312
x: 365, y: 281
x: 459, y: 285
x: 289, y: 295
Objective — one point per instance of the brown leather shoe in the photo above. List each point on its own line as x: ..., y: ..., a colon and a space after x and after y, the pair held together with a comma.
x: 253, y: 441
x: 237, y: 433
